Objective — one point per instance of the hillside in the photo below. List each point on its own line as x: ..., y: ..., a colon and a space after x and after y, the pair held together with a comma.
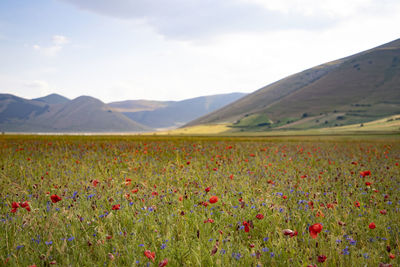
x: 53, y: 99
x: 171, y: 114
x: 83, y: 114
x: 355, y: 89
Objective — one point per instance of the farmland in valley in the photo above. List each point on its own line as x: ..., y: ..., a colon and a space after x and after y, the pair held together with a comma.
x: 204, y: 201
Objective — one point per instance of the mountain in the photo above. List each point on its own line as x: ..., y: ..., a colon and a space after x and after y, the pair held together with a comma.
x: 52, y: 99
x: 171, y: 114
x: 130, y: 106
x: 356, y: 89
x: 82, y: 114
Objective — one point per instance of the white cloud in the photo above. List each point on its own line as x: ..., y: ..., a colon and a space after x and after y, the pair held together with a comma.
x: 39, y: 87
x: 37, y: 84
x: 196, y: 19
x: 58, y: 43
x: 60, y: 40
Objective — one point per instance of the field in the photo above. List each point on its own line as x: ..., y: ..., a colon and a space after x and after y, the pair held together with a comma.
x: 199, y: 201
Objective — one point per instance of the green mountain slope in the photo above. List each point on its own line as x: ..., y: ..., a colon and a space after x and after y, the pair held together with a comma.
x: 355, y: 89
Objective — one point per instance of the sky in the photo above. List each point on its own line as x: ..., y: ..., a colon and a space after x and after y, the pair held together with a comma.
x: 178, y: 49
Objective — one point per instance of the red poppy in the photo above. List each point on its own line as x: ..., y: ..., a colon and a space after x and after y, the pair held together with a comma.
x: 383, y: 212
x: 246, y: 226
x: 260, y: 216
x: 321, y: 258
x: 207, y: 189
x: 163, y: 263
x: 372, y: 226
x: 365, y: 173
x: 284, y: 197
x: 213, y: 199
x: 357, y: 204
x: 116, y: 207
x: 289, y: 232
x: 367, y: 183
x: 135, y: 190
x: 150, y: 255
x: 14, y: 207
x: 392, y: 256
x: 315, y: 229
x: 25, y: 205
x: 311, y: 204
x: 95, y: 182
x: 55, y: 198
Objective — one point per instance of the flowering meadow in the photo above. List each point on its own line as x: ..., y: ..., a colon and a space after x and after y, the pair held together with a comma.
x: 199, y: 201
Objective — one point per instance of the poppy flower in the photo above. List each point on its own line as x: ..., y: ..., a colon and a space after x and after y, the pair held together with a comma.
x: 25, y: 205
x: 315, y: 229
x: 392, y: 256
x: 14, y: 207
x: 95, y: 182
x: 213, y: 199
x: 321, y: 258
x: 207, y: 189
x: 260, y: 216
x: 284, y: 197
x: 372, y: 226
x: 55, y: 198
x: 246, y: 226
x: 383, y: 212
x: 116, y: 207
x: 163, y: 263
x: 367, y: 183
x: 150, y: 255
x: 289, y: 232
x: 365, y: 173
x: 135, y: 190
x: 357, y: 204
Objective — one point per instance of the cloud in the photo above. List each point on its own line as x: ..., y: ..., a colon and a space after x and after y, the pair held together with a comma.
x: 37, y: 87
x: 58, y: 42
x: 37, y: 84
x: 188, y: 19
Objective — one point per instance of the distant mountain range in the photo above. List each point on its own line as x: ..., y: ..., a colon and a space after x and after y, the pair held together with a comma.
x: 356, y: 89
x: 172, y: 114
x: 56, y: 113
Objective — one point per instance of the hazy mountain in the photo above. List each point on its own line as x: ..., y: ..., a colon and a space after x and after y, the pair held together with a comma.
x: 355, y: 89
x: 169, y: 114
x: 83, y: 114
x: 53, y: 99
x: 138, y: 105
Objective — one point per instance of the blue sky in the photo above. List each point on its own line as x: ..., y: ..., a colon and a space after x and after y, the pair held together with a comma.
x: 177, y: 49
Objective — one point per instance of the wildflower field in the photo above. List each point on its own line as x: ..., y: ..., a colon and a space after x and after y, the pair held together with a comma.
x: 199, y: 201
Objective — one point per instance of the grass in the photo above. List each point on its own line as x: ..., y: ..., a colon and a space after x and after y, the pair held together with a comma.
x: 389, y: 125
x: 124, y: 195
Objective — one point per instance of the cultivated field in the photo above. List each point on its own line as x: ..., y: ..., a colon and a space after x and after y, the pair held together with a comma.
x: 204, y: 201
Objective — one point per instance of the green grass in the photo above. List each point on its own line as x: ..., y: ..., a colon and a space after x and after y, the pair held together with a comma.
x: 167, y: 215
